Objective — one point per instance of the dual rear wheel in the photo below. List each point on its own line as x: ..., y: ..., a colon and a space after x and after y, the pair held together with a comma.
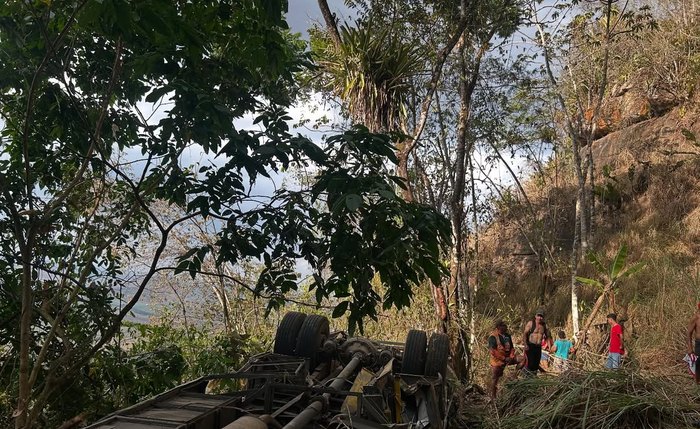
x: 302, y: 335
x: 423, y: 357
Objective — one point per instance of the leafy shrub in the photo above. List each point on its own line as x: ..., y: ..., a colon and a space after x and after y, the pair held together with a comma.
x: 157, y: 358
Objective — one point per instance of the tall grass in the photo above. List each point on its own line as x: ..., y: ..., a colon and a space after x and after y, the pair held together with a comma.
x: 608, y: 399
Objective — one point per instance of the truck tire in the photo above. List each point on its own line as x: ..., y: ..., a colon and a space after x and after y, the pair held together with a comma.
x: 438, y: 352
x: 313, y: 333
x: 287, y: 333
x: 436, y: 363
x: 414, y: 352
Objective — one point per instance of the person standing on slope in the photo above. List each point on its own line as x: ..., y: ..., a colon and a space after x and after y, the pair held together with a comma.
x: 617, y: 344
x: 502, y: 354
x: 562, y: 348
x: 694, y: 340
x: 534, y: 334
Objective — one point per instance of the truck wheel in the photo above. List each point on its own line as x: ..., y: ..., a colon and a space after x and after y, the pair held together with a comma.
x: 438, y: 352
x: 436, y: 363
x: 314, y: 332
x: 287, y: 333
x: 414, y: 352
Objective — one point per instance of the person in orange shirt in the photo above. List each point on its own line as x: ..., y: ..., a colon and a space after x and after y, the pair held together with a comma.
x: 502, y: 354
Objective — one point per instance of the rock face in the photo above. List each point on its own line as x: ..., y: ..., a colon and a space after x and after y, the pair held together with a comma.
x: 647, y: 171
x: 627, y: 105
x: 656, y: 163
x: 668, y: 136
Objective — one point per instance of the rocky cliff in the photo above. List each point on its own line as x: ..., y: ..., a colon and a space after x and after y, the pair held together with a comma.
x: 647, y: 176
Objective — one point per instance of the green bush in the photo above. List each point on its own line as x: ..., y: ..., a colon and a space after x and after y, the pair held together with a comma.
x: 157, y: 358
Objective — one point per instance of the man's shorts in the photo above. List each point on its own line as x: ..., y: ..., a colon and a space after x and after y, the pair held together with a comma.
x: 497, y: 371
x: 613, y: 361
x: 534, y: 355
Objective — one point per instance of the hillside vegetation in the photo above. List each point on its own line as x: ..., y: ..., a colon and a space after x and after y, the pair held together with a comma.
x: 647, y: 187
x: 645, y: 150
x: 653, y: 169
x: 399, y: 219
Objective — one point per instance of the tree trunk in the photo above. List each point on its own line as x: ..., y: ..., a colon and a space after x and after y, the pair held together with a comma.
x: 585, y: 180
x: 440, y: 302
x: 25, y: 324
x: 574, y: 270
x: 220, y: 291
x: 584, y: 174
x: 474, y: 277
x: 330, y: 22
x: 462, y: 152
x: 402, y: 171
x: 594, y: 312
x: 457, y: 216
x: 574, y: 136
x: 589, y: 193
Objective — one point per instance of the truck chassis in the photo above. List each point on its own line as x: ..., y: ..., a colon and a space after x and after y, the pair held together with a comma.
x: 313, y: 379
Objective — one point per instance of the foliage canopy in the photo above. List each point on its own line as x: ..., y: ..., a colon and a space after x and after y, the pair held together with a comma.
x: 83, y: 161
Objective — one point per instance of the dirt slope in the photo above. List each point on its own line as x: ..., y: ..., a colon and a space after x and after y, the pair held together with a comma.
x: 652, y: 169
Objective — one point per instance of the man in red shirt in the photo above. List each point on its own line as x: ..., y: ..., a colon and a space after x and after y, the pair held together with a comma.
x: 617, y: 347
x: 694, y: 340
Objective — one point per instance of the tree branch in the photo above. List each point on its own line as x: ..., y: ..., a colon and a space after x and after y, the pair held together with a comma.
x: 331, y: 24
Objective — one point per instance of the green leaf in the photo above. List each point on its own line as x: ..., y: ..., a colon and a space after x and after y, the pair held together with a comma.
x: 188, y: 254
x: 266, y: 150
x: 385, y: 193
x: 156, y: 94
x: 619, y: 262
x: 689, y: 135
x: 340, y: 309
x: 353, y: 202
x: 433, y: 272
x: 633, y: 269
x: 182, y: 266
x: 595, y: 261
x: 590, y: 282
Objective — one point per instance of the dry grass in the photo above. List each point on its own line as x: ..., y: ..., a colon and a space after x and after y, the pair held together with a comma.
x: 659, y: 221
x: 661, y: 228
x: 612, y: 399
x: 393, y: 325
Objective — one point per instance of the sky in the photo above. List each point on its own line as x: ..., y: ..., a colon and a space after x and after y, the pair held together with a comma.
x: 302, y: 14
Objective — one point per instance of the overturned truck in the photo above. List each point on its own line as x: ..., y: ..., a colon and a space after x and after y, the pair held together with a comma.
x: 312, y: 379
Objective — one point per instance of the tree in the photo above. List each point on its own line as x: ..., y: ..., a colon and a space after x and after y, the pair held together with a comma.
x: 82, y: 165
x: 473, y: 48
x: 611, y: 277
x: 578, y: 80
x: 413, y: 58
x: 375, y: 68
x: 222, y: 293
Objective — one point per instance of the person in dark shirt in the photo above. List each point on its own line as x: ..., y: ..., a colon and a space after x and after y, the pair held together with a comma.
x: 534, y: 334
x: 502, y: 354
